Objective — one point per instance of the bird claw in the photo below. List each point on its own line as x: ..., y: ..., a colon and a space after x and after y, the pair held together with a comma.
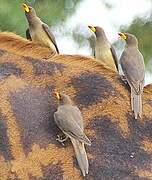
x: 61, y: 139
x: 124, y: 79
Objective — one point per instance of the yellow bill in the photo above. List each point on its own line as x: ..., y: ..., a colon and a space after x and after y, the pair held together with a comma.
x: 25, y: 7
x: 93, y: 29
x: 122, y: 36
x: 57, y: 95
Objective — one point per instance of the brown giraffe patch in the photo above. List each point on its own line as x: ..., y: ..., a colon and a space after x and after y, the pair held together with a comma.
x: 91, y: 88
x: 8, y: 68
x: 119, y: 157
x: 43, y: 66
x: 4, y: 141
x: 143, y: 129
x: 33, y: 108
x: 53, y: 172
x: 50, y: 172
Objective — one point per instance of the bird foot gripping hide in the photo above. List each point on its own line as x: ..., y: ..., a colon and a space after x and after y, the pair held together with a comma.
x: 61, y: 139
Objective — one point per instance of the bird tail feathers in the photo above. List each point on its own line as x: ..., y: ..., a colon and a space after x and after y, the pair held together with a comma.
x: 137, y: 103
x: 81, y: 155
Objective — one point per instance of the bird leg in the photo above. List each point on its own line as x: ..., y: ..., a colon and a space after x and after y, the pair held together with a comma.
x: 61, y: 139
x: 124, y: 79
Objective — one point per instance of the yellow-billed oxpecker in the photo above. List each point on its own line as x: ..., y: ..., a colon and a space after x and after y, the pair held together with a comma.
x: 69, y: 119
x: 38, y: 31
x: 132, y: 63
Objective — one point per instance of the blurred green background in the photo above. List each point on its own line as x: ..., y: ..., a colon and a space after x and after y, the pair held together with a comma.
x: 57, y: 12
x: 53, y: 12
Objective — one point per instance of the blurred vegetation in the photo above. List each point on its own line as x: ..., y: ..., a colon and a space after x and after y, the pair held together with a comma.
x: 53, y: 12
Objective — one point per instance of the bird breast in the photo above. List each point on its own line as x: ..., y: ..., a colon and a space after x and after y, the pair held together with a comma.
x: 103, y: 52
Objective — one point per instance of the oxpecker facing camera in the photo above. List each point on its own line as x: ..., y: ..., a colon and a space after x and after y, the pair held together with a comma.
x: 69, y: 119
x: 38, y: 31
x: 132, y: 63
x: 104, y: 51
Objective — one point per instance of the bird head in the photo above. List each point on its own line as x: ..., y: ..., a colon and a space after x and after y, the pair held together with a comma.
x: 62, y: 97
x: 129, y: 38
x: 98, y: 31
x: 28, y: 10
